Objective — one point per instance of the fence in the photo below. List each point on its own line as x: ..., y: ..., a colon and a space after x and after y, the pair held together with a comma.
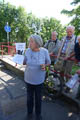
x: 7, y: 48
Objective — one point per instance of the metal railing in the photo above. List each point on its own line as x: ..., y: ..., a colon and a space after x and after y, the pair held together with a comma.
x: 7, y: 48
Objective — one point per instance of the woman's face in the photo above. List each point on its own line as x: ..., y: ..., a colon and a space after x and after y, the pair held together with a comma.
x: 32, y: 44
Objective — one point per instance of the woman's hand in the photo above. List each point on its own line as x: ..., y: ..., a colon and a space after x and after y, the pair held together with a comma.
x: 43, y: 67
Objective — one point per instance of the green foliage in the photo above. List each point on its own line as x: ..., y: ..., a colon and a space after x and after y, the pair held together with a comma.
x: 24, y: 24
x: 74, y: 69
x: 69, y: 13
x: 75, y: 2
x: 50, y: 25
x: 75, y: 14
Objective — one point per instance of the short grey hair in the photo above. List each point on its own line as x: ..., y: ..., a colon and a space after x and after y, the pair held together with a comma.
x: 55, y: 33
x: 38, y: 40
x: 70, y: 27
x: 78, y: 37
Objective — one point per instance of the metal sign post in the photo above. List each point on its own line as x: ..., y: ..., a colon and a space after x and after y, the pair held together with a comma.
x: 8, y: 37
x: 7, y: 28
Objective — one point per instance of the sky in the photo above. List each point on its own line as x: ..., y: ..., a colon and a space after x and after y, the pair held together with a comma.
x: 45, y: 8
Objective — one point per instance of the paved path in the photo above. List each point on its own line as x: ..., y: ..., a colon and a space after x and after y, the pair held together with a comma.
x: 13, y: 99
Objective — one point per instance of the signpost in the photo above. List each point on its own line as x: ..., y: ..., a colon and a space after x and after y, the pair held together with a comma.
x: 7, y: 28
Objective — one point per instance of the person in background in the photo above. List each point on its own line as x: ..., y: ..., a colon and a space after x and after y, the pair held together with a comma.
x: 78, y: 91
x: 65, y: 53
x: 53, y: 46
x: 77, y: 56
x: 77, y: 49
x: 67, y: 49
x: 36, y: 60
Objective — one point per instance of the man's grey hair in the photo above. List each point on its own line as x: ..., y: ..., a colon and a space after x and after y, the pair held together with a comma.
x: 38, y: 40
x: 55, y: 33
x: 70, y: 27
x: 78, y: 37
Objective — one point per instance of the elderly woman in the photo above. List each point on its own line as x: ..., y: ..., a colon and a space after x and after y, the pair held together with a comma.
x: 36, y: 60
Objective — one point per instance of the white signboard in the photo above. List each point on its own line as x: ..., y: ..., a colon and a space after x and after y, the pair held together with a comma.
x: 73, y: 81
x: 19, y: 57
x: 20, y: 46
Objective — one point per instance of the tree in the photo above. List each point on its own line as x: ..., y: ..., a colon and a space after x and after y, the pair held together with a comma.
x: 50, y: 25
x: 75, y: 14
x: 24, y: 24
x: 75, y: 2
x: 16, y: 18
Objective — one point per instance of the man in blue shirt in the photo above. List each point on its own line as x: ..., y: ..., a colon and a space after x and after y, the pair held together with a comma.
x: 67, y: 49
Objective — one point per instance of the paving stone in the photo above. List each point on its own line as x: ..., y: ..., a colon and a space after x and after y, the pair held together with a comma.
x: 13, y: 98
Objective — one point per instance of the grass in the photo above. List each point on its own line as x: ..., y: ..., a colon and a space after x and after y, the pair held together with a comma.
x: 74, y: 69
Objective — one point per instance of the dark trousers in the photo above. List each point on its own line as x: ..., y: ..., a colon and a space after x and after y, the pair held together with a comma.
x: 34, y: 92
